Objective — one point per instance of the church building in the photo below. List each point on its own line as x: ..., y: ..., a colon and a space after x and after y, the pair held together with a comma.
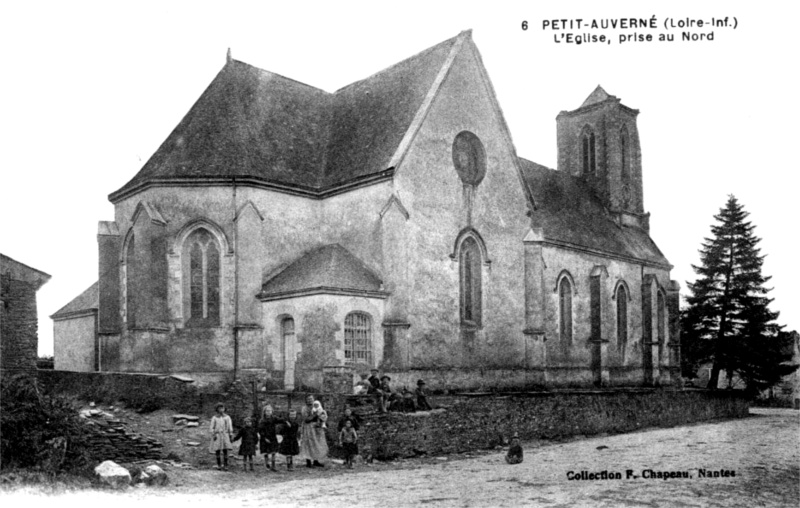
x: 282, y: 232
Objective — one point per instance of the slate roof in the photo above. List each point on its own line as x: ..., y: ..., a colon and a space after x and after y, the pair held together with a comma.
x: 254, y: 124
x: 327, y: 268
x: 20, y: 271
x: 88, y: 300
x: 568, y: 211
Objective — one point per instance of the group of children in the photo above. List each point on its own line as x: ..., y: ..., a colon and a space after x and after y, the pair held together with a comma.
x: 265, y: 437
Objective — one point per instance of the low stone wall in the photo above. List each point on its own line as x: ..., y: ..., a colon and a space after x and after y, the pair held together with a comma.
x: 142, y: 391
x: 484, y: 421
x: 463, y: 422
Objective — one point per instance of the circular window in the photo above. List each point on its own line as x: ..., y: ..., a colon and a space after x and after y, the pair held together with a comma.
x: 469, y: 158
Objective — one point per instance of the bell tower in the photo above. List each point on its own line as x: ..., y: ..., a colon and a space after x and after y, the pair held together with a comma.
x: 599, y: 143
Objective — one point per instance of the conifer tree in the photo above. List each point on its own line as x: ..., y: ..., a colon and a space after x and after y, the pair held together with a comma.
x: 728, y: 321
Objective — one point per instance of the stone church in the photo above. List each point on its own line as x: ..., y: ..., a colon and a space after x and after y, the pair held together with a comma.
x: 282, y: 231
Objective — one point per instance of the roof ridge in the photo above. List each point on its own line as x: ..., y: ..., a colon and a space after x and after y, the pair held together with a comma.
x: 275, y: 74
x: 412, y: 57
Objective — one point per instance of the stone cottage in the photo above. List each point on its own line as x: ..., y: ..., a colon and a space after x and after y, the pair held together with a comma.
x: 19, y: 341
x: 281, y: 229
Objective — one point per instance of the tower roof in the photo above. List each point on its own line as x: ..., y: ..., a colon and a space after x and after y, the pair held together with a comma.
x: 598, y: 95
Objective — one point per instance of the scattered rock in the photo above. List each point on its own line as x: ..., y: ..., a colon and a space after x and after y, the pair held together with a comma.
x: 112, y: 474
x: 141, y: 477
x: 188, y: 418
x: 91, y: 404
x: 156, y: 475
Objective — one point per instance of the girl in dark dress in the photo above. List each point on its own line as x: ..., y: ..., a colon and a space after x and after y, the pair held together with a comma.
x: 267, y: 431
x: 249, y: 437
x: 289, y: 446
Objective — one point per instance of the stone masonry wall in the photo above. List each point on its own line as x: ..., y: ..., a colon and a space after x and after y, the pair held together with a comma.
x: 461, y: 423
x: 472, y: 423
x: 19, y: 326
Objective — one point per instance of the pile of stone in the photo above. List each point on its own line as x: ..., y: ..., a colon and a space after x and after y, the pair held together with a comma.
x: 112, y: 441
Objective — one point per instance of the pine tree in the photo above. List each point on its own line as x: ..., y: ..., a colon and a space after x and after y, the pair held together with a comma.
x: 728, y: 321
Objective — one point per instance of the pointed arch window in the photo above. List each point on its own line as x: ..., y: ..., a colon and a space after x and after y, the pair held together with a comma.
x: 287, y: 338
x: 470, y: 261
x: 358, y: 339
x: 201, y: 254
x: 565, y: 310
x: 130, y: 282
x: 661, y: 319
x: 622, y: 320
x: 588, y: 151
x: 625, y: 170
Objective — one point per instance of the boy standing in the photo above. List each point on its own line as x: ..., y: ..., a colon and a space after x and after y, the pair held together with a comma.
x: 348, y: 440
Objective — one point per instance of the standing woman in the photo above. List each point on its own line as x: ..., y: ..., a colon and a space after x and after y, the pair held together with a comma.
x: 269, y: 436
x: 221, y: 431
x: 313, y: 444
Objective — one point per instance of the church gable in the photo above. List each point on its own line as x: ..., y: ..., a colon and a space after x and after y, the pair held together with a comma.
x: 462, y: 139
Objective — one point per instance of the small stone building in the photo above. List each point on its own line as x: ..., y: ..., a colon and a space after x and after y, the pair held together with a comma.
x: 19, y: 342
x: 281, y: 229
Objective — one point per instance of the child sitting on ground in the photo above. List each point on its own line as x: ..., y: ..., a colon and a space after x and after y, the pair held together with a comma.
x: 514, y: 455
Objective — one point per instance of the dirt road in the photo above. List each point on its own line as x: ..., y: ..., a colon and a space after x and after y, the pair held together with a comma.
x: 748, y: 462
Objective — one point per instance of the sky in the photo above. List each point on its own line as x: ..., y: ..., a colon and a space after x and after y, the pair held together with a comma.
x: 91, y: 89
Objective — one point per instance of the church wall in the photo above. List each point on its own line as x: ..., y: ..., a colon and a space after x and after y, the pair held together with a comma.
x: 74, y: 349
x: 273, y: 230
x: 318, y: 339
x: 440, y: 206
x: 181, y: 350
x: 249, y: 250
x: 571, y: 365
x: 352, y: 220
x: 290, y: 227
